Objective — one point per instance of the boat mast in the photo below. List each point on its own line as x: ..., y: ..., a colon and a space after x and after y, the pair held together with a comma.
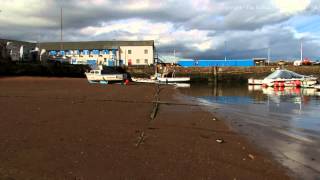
x: 61, y: 37
x: 301, y: 51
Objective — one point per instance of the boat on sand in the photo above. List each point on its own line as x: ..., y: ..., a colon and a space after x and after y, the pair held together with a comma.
x: 103, y: 77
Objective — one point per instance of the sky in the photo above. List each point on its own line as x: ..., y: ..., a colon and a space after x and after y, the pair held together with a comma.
x: 201, y: 29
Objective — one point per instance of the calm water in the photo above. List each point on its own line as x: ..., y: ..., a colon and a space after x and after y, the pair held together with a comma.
x: 283, y: 121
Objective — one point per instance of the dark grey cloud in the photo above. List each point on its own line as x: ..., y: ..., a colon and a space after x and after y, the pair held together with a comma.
x: 194, y: 28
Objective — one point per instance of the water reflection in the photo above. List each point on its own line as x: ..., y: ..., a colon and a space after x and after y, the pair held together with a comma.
x: 286, y: 121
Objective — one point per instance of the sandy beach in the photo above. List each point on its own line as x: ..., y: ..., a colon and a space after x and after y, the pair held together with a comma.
x: 65, y: 128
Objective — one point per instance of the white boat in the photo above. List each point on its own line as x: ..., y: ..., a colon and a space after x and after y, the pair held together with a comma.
x: 286, y: 78
x: 317, y: 87
x: 143, y: 80
x: 254, y: 87
x: 252, y: 81
x: 181, y: 85
x: 173, y: 79
x: 98, y: 76
x: 157, y: 78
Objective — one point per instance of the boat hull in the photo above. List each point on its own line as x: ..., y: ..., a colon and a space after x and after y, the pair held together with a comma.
x: 255, y: 81
x: 104, y: 77
x: 143, y: 80
x: 173, y: 79
x: 289, y: 83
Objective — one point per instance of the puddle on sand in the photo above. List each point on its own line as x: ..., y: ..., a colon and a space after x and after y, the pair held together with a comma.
x: 285, y: 121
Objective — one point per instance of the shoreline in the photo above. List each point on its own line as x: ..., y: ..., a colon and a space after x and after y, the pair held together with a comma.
x: 67, y: 128
x: 281, y: 145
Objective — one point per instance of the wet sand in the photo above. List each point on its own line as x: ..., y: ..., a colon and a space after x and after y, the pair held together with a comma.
x: 64, y: 128
x: 285, y: 125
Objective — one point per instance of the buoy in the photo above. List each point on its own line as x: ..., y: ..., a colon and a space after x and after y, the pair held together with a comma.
x: 126, y: 82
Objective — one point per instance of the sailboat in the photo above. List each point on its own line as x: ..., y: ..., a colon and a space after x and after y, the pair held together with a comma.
x: 163, y: 77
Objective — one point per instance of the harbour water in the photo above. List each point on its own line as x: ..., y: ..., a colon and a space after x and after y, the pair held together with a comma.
x: 282, y: 121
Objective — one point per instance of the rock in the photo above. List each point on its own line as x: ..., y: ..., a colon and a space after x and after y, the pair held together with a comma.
x: 220, y: 141
x: 251, y: 156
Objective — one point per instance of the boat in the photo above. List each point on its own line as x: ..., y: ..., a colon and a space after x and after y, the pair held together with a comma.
x: 286, y: 78
x: 162, y: 79
x: 173, y: 79
x: 317, y: 87
x: 252, y: 81
x: 158, y: 78
x: 181, y: 85
x: 100, y: 76
x: 143, y: 80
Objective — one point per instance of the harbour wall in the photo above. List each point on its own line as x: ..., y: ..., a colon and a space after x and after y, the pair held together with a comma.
x: 240, y: 74
x: 197, y: 74
x: 48, y: 70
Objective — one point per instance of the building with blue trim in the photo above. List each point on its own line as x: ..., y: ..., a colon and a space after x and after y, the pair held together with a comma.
x: 109, y: 53
x: 218, y: 63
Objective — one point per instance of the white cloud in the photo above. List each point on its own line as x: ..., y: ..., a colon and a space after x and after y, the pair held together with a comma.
x: 291, y: 6
x: 163, y: 33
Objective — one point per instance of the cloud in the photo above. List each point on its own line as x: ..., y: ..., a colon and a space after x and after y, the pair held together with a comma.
x: 193, y: 28
x: 291, y: 6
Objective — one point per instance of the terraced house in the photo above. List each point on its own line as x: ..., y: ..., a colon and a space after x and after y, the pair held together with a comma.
x: 110, y: 53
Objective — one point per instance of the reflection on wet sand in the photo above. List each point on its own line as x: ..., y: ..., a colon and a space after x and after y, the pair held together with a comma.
x: 285, y: 121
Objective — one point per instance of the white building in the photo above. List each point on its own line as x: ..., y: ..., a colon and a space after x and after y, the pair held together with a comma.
x: 110, y: 53
x: 18, y: 50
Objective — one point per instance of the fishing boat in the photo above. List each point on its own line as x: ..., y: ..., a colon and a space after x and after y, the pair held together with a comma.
x: 100, y: 76
x: 286, y: 78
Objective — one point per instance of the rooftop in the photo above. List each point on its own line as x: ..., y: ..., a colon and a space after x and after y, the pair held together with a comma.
x: 93, y: 44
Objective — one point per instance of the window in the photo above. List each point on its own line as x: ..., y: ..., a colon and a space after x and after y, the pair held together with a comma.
x: 146, y: 51
x: 146, y: 61
x: 138, y: 61
x: 129, y: 51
